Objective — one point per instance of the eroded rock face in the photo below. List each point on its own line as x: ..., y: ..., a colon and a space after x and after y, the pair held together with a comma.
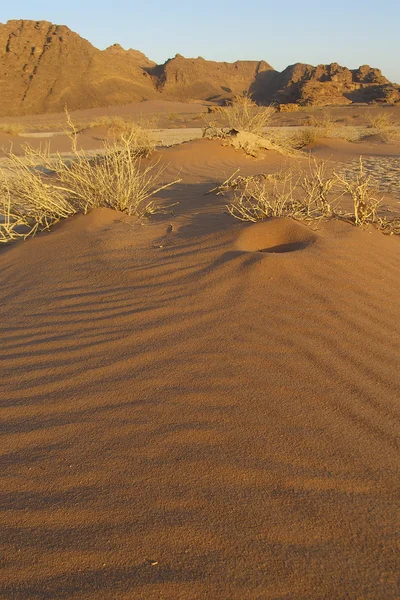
x: 366, y: 74
x: 188, y: 78
x: 45, y: 66
x: 133, y: 55
x: 330, y: 84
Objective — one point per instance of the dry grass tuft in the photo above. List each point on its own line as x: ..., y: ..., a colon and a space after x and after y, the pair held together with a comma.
x: 244, y: 118
x: 288, y: 193
x: 361, y: 190
x: 12, y: 128
x: 317, y: 187
x: 250, y: 143
x: 383, y: 126
x: 34, y: 201
x: 42, y: 189
x: 11, y: 223
x: 260, y: 198
x: 301, y: 139
x: 311, y: 197
x: 118, y: 128
x: 323, y: 124
x: 243, y: 114
x: 389, y: 226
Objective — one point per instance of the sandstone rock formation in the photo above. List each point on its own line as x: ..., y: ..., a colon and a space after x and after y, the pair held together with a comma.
x: 329, y: 84
x: 43, y: 67
x: 188, y: 78
x: 133, y: 55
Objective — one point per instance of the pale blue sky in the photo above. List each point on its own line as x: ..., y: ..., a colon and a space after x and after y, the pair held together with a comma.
x: 350, y: 32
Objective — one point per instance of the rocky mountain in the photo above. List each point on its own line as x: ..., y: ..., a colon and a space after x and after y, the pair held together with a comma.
x: 330, y: 84
x: 136, y: 56
x: 43, y: 67
x: 187, y: 78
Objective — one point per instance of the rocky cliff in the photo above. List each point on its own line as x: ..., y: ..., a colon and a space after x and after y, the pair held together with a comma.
x: 45, y: 66
x: 187, y: 78
x: 330, y: 84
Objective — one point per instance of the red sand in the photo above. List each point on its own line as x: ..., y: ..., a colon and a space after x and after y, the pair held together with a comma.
x: 184, y: 417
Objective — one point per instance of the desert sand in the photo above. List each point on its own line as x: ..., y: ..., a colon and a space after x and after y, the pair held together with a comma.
x: 199, y: 408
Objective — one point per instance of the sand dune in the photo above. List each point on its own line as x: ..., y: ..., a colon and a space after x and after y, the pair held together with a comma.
x: 199, y: 408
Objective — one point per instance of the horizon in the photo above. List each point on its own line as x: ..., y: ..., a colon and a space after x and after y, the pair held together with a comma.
x: 344, y: 40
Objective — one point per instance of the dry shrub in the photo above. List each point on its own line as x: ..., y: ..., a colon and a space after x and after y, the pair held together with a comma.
x: 303, y: 137
x: 361, y: 190
x: 260, y: 198
x: 276, y: 138
x: 290, y: 107
x: 213, y: 132
x: 11, y: 223
x: 308, y: 135
x: 383, y: 126
x: 245, y: 115
x: 118, y: 128
x: 34, y: 201
x: 117, y: 180
x: 323, y: 124
x: 283, y: 194
x: 310, y: 197
x: 349, y: 133
x: 245, y: 118
x: 317, y: 187
x: 12, y: 128
x: 41, y: 189
x: 389, y: 226
x: 250, y: 143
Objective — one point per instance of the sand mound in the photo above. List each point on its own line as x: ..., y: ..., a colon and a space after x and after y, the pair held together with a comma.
x: 276, y: 236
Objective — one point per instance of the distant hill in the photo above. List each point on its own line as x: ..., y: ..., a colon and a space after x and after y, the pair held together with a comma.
x: 188, y: 78
x: 331, y: 84
x: 45, y: 66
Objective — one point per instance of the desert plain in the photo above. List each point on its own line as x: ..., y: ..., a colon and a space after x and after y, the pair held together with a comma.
x: 199, y: 407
